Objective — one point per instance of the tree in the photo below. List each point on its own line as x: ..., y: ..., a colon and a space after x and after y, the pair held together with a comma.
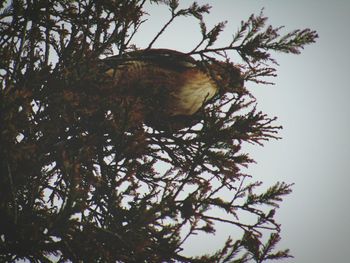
x: 78, y: 177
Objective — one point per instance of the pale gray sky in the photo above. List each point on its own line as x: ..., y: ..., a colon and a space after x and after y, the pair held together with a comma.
x: 311, y: 100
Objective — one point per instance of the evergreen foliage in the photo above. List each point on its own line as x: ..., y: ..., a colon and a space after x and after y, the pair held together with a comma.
x: 78, y: 180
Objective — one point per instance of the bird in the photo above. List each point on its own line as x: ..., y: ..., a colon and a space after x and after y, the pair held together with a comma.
x: 172, y: 86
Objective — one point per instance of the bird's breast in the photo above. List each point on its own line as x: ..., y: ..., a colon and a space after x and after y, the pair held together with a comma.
x: 197, y: 88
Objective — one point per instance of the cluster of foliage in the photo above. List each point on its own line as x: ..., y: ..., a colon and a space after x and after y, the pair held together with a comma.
x: 78, y: 181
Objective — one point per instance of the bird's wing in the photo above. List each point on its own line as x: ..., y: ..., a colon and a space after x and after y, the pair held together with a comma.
x: 164, y: 58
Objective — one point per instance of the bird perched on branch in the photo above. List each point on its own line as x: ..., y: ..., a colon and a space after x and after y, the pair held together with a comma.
x: 172, y: 86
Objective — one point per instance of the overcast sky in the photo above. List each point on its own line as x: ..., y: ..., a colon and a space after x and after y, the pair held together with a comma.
x: 310, y: 99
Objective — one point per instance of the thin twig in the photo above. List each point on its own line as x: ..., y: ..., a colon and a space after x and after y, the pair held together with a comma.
x: 211, y: 50
x: 47, y: 37
x: 162, y: 30
x: 13, y: 192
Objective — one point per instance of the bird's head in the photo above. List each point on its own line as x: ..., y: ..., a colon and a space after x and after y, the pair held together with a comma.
x: 227, y: 76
